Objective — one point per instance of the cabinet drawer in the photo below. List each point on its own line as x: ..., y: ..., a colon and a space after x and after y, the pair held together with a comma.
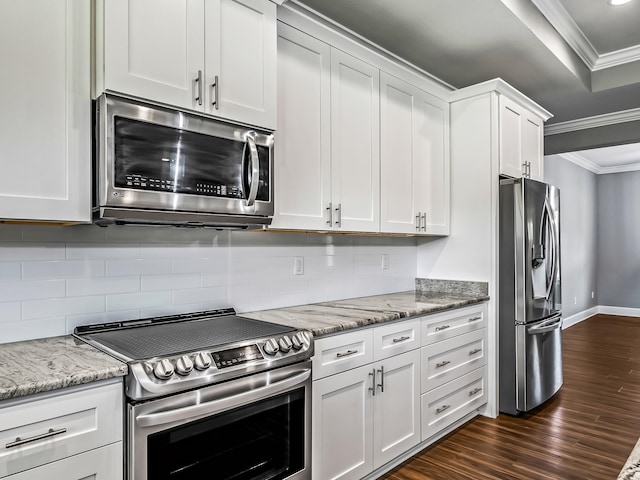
x: 104, y: 463
x: 449, y: 359
x: 446, y: 325
x: 396, y: 338
x: 446, y: 404
x: 342, y: 352
x: 49, y: 429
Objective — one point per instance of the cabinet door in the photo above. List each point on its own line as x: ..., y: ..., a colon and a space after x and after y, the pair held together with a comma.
x: 532, y: 147
x: 510, y: 125
x: 103, y: 463
x: 414, y: 159
x: 154, y: 49
x: 342, y: 440
x: 303, y: 156
x: 45, y: 126
x: 396, y: 407
x: 355, y: 144
x: 240, y: 62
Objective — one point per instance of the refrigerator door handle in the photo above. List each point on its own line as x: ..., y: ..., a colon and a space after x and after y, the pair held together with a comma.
x: 552, y: 248
x: 545, y: 327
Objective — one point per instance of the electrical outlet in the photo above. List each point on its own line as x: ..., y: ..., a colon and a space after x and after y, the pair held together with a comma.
x: 385, y: 261
x: 575, y: 300
x: 298, y: 266
x: 593, y: 294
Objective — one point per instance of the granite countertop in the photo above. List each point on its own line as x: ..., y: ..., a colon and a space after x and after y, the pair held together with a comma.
x: 325, y: 318
x: 46, y: 364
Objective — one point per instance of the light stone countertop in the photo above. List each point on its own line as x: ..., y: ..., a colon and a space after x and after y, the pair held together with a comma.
x: 36, y: 366
x: 332, y: 317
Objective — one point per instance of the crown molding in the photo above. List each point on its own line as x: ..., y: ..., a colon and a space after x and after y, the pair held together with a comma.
x: 560, y: 19
x: 585, y: 123
x: 500, y: 86
x: 580, y: 161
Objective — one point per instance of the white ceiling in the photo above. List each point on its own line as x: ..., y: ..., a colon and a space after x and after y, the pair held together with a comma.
x: 576, y: 58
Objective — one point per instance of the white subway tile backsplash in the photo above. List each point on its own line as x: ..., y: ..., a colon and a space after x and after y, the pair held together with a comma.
x: 10, y: 271
x: 102, y: 286
x: 60, y: 307
x: 138, y: 267
x: 130, y: 301
x: 169, y: 282
x: 13, y: 290
x: 63, y: 269
x: 86, y: 274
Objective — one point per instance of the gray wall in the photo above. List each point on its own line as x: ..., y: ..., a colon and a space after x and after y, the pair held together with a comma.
x: 619, y: 239
x: 578, y: 232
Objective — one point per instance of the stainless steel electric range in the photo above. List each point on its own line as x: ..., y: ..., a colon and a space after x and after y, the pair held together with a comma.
x: 213, y: 395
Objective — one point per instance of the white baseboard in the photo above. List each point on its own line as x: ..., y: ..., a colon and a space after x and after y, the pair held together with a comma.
x: 590, y: 312
x: 579, y: 317
x: 624, y: 311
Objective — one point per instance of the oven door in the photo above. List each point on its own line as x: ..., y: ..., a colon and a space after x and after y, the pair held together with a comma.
x: 252, y: 428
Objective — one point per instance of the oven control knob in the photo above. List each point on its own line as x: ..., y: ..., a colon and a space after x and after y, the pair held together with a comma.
x: 163, y: 369
x: 300, y: 339
x: 184, y: 365
x: 203, y: 361
x: 285, y: 344
x: 271, y: 347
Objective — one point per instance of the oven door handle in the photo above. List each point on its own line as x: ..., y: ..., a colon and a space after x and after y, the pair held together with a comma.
x: 255, y: 169
x: 247, y: 396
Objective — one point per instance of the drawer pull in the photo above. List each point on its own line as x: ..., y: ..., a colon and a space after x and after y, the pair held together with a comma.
x: 401, y: 339
x: 474, y: 391
x: 346, y: 354
x: 475, y: 319
x: 372, y: 388
x: 474, y: 351
x: 443, y: 363
x: 442, y: 327
x: 442, y: 409
x: 21, y: 441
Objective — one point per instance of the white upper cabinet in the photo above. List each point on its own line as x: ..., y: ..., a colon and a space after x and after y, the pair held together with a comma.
x: 213, y: 56
x: 521, y: 141
x: 414, y: 160
x: 303, y: 155
x: 45, y: 126
x: 355, y: 152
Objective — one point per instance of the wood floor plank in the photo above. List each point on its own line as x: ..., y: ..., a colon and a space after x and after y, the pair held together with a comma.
x: 585, y: 432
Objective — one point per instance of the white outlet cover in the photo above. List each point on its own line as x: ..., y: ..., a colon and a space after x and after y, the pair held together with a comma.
x: 298, y: 266
x: 385, y: 261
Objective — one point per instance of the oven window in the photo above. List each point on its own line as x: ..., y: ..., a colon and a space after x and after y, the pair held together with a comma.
x: 164, y: 159
x: 260, y: 441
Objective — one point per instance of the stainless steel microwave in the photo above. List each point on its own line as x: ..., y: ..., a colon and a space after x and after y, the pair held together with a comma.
x: 155, y: 165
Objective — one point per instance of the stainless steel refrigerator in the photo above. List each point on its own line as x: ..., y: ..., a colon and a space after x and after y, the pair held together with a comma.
x: 530, y: 316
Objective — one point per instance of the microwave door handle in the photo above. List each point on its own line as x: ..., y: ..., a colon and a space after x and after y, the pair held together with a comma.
x: 255, y: 170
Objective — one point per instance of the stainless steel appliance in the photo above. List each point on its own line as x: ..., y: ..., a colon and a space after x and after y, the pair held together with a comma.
x: 530, y: 334
x: 213, y: 395
x: 155, y: 165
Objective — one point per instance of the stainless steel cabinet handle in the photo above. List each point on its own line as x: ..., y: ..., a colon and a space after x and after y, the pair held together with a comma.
x: 215, y: 86
x: 442, y: 327
x: 475, y: 319
x: 474, y: 351
x: 198, y: 81
x: 418, y: 221
x: 444, y: 363
x: 401, y: 339
x: 424, y: 222
x: 442, y: 409
x: 474, y: 391
x: 339, y: 215
x: 255, y: 169
x: 330, y: 212
x: 346, y: 354
x: 381, y: 384
x: 372, y: 388
x: 21, y: 441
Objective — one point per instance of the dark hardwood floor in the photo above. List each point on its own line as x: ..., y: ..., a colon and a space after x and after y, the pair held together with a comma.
x: 585, y: 432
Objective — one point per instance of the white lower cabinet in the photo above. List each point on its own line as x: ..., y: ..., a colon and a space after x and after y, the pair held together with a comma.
x: 73, y: 434
x: 365, y: 417
x: 103, y: 463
